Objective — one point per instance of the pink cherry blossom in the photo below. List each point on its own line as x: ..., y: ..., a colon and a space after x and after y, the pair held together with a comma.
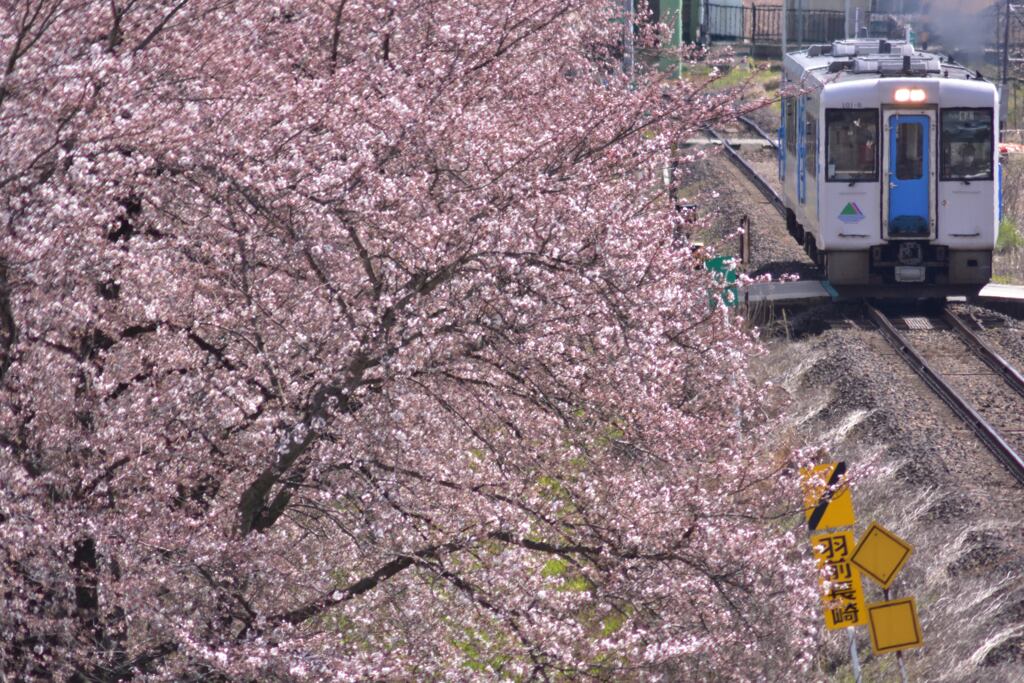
x: 348, y: 340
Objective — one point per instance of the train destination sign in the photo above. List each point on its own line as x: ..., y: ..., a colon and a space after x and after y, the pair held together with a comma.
x: 881, y: 554
x: 828, y: 503
x: 894, y: 626
x: 842, y: 593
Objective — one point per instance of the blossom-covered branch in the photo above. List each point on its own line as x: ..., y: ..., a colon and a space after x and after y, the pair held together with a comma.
x: 350, y: 341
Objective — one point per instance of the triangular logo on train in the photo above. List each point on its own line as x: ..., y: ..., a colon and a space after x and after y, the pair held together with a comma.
x: 851, y: 213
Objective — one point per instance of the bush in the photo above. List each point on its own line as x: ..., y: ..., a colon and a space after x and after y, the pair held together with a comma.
x: 1009, y: 236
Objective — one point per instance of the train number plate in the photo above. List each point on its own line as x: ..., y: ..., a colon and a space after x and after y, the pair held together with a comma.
x: 909, y: 273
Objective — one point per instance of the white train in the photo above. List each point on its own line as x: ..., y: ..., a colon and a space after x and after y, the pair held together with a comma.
x: 888, y: 161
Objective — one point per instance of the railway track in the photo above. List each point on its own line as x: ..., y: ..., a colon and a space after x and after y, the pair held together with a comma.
x: 749, y: 123
x: 760, y: 183
x: 984, y: 391
x: 981, y: 388
x: 778, y: 251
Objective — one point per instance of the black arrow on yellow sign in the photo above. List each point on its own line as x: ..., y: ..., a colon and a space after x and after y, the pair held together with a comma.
x: 819, y: 510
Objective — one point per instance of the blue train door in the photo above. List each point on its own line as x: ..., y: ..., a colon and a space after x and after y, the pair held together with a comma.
x: 909, y: 173
x: 782, y: 141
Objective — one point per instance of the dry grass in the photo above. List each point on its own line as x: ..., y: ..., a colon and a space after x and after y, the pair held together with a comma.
x: 969, y: 615
x: 970, y: 611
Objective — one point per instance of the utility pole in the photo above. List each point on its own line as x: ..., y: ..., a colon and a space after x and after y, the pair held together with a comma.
x: 1005, y: 90
x: 627, y: 38
x: 799, y: 24
x: 846, y: 20
x: 705, y: 22
x: 1006, y: 45
x: 784, y: 21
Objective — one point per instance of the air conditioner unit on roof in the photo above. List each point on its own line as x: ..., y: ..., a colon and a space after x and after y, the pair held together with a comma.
x: 885, y: 64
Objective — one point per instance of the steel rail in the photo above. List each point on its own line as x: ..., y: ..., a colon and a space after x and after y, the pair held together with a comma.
x: 757, y: 129
x: 773, y: 198
x: 986, y: 353
x: 964, y: 410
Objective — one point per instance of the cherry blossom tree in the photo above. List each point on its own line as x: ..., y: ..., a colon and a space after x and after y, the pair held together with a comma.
x: 348, y: 340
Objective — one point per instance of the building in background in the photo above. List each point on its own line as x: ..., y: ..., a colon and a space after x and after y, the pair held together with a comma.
x: 759, y: 22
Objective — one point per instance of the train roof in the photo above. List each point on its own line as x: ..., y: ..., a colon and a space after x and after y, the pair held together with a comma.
x: 862, y: 58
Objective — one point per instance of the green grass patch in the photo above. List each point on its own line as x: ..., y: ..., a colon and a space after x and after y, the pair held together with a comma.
x: 745, y: 72
x: 1010, y: 238
x: 555, y: 567
x: 477, y: 650
x: 612, y: 623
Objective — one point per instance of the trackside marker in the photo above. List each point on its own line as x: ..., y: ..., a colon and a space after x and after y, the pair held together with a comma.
x: 894, y: 626
x: 828, y: 505
x: 881, y: 554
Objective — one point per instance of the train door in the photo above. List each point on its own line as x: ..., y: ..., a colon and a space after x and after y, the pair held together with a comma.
x: 782, y: 140
x: 909, y: 171
x: 801, y: 151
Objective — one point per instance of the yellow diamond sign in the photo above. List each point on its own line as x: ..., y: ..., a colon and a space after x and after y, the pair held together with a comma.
x: 881, y: 554
x: 894, y: 626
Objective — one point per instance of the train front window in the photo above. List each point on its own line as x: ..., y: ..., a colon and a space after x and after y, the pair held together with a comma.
x: 967, y: 144
x: 851, y: 145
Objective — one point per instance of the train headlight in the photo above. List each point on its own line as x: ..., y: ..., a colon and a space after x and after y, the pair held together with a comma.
x: 903, y: 95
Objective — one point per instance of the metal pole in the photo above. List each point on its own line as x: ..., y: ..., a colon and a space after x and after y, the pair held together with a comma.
x: 627, y: 38
x: 899, y: 653
x: 846, y: 20
x: 785, y: 5
x: 1004, y: 90
x: 1006, y: 46
x: 799, y: 24
x: 705, y: 22
x: 854, y: 658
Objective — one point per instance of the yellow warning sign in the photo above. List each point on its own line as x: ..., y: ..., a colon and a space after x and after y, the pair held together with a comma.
x: 842, y: 593
x: 828, y: 502
x: 881, y: 554
x: 894, y: 626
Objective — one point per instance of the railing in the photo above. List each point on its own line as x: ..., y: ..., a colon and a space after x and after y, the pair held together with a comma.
x: 726, y: 22
x: 762, y: 24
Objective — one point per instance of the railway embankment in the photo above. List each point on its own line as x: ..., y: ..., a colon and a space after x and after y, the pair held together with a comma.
x: 924, y: 475
x: 918, y: 469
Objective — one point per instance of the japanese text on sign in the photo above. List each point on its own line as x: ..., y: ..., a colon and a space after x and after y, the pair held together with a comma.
x: 841, y: 589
